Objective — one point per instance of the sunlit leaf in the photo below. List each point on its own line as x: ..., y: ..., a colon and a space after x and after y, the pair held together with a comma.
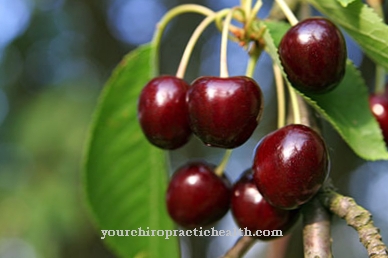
x: 125, y: 176
x: 278, y: 29
x: 345, y: 2
x: 346, y: 107
x: 362, y: 24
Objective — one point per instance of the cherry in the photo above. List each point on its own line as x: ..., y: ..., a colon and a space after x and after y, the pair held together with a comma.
x: 290, y: 165
x: 313, y: 55
x: 379, y: 107
x: 162, y: 112
x: 251, y: 211
x: 224, y: 112
x: 196, y: 196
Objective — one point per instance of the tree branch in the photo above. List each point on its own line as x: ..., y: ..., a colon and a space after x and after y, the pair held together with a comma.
x: 316, y: 230
x: 358, y: 218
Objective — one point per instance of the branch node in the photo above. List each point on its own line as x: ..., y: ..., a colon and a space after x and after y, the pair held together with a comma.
x: 357, y: 217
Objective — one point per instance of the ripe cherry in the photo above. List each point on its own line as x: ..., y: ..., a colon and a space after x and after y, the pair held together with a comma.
x: 290, y: 166
x: 250, y: 210
x: 224, y: 112
x: 313, y: 54
x: 162, y: 112
x: 379, y: 107
x: 196, y: 196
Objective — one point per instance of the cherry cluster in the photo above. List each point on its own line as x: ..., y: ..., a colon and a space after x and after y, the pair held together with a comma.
x: 289, y: 165
x: 222, y: 112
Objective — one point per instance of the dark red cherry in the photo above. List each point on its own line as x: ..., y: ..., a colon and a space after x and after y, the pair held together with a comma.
x: 290, y: 165
x: 196, y: 196
x: 224, y: 112
x: 251, y: 211
x: 162, y: 112
x: 379, y: 107
x: 313, y: 54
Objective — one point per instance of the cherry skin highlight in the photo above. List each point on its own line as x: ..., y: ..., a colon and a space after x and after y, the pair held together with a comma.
x: 196, y: 196
x: 162, y: 112
x: 224, y: 112
x: 251, y: 211
x: 290, y: 166
x: 313, y: 54
x: 379, y: 107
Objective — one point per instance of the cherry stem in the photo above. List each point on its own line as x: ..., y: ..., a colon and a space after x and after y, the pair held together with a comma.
x: 224, y: 45
x: 161, y: 26
x: 251, y: 66
x: 219, y: 171
x: 278, y: 247
x: 193, y: 40
x: 253, y: 57
x: 287, y: 12
x: 240, y: 247
x: 380, y: 80
x: 294, y: 104
x: 246, y: 5
x: 253, y: 13
x: 281, y: 99
x: 294, y: 100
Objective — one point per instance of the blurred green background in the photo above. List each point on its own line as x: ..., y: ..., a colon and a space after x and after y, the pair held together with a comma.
x: 55, y: 56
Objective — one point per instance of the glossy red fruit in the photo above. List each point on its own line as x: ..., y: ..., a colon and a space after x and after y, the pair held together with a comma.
x: 162, y: 112
x: 290, y: 166
x: 379, y: 107
x: 313, y: 54
x: 196, y: 196
x: 250, y: 210
x: 224, y: 112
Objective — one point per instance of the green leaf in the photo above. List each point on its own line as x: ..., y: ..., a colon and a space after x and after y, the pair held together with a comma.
x: 277, y: 29
x: 345, y: 3
x: 346, y: 108
x: 362, y: 24
x: 126, y: 177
